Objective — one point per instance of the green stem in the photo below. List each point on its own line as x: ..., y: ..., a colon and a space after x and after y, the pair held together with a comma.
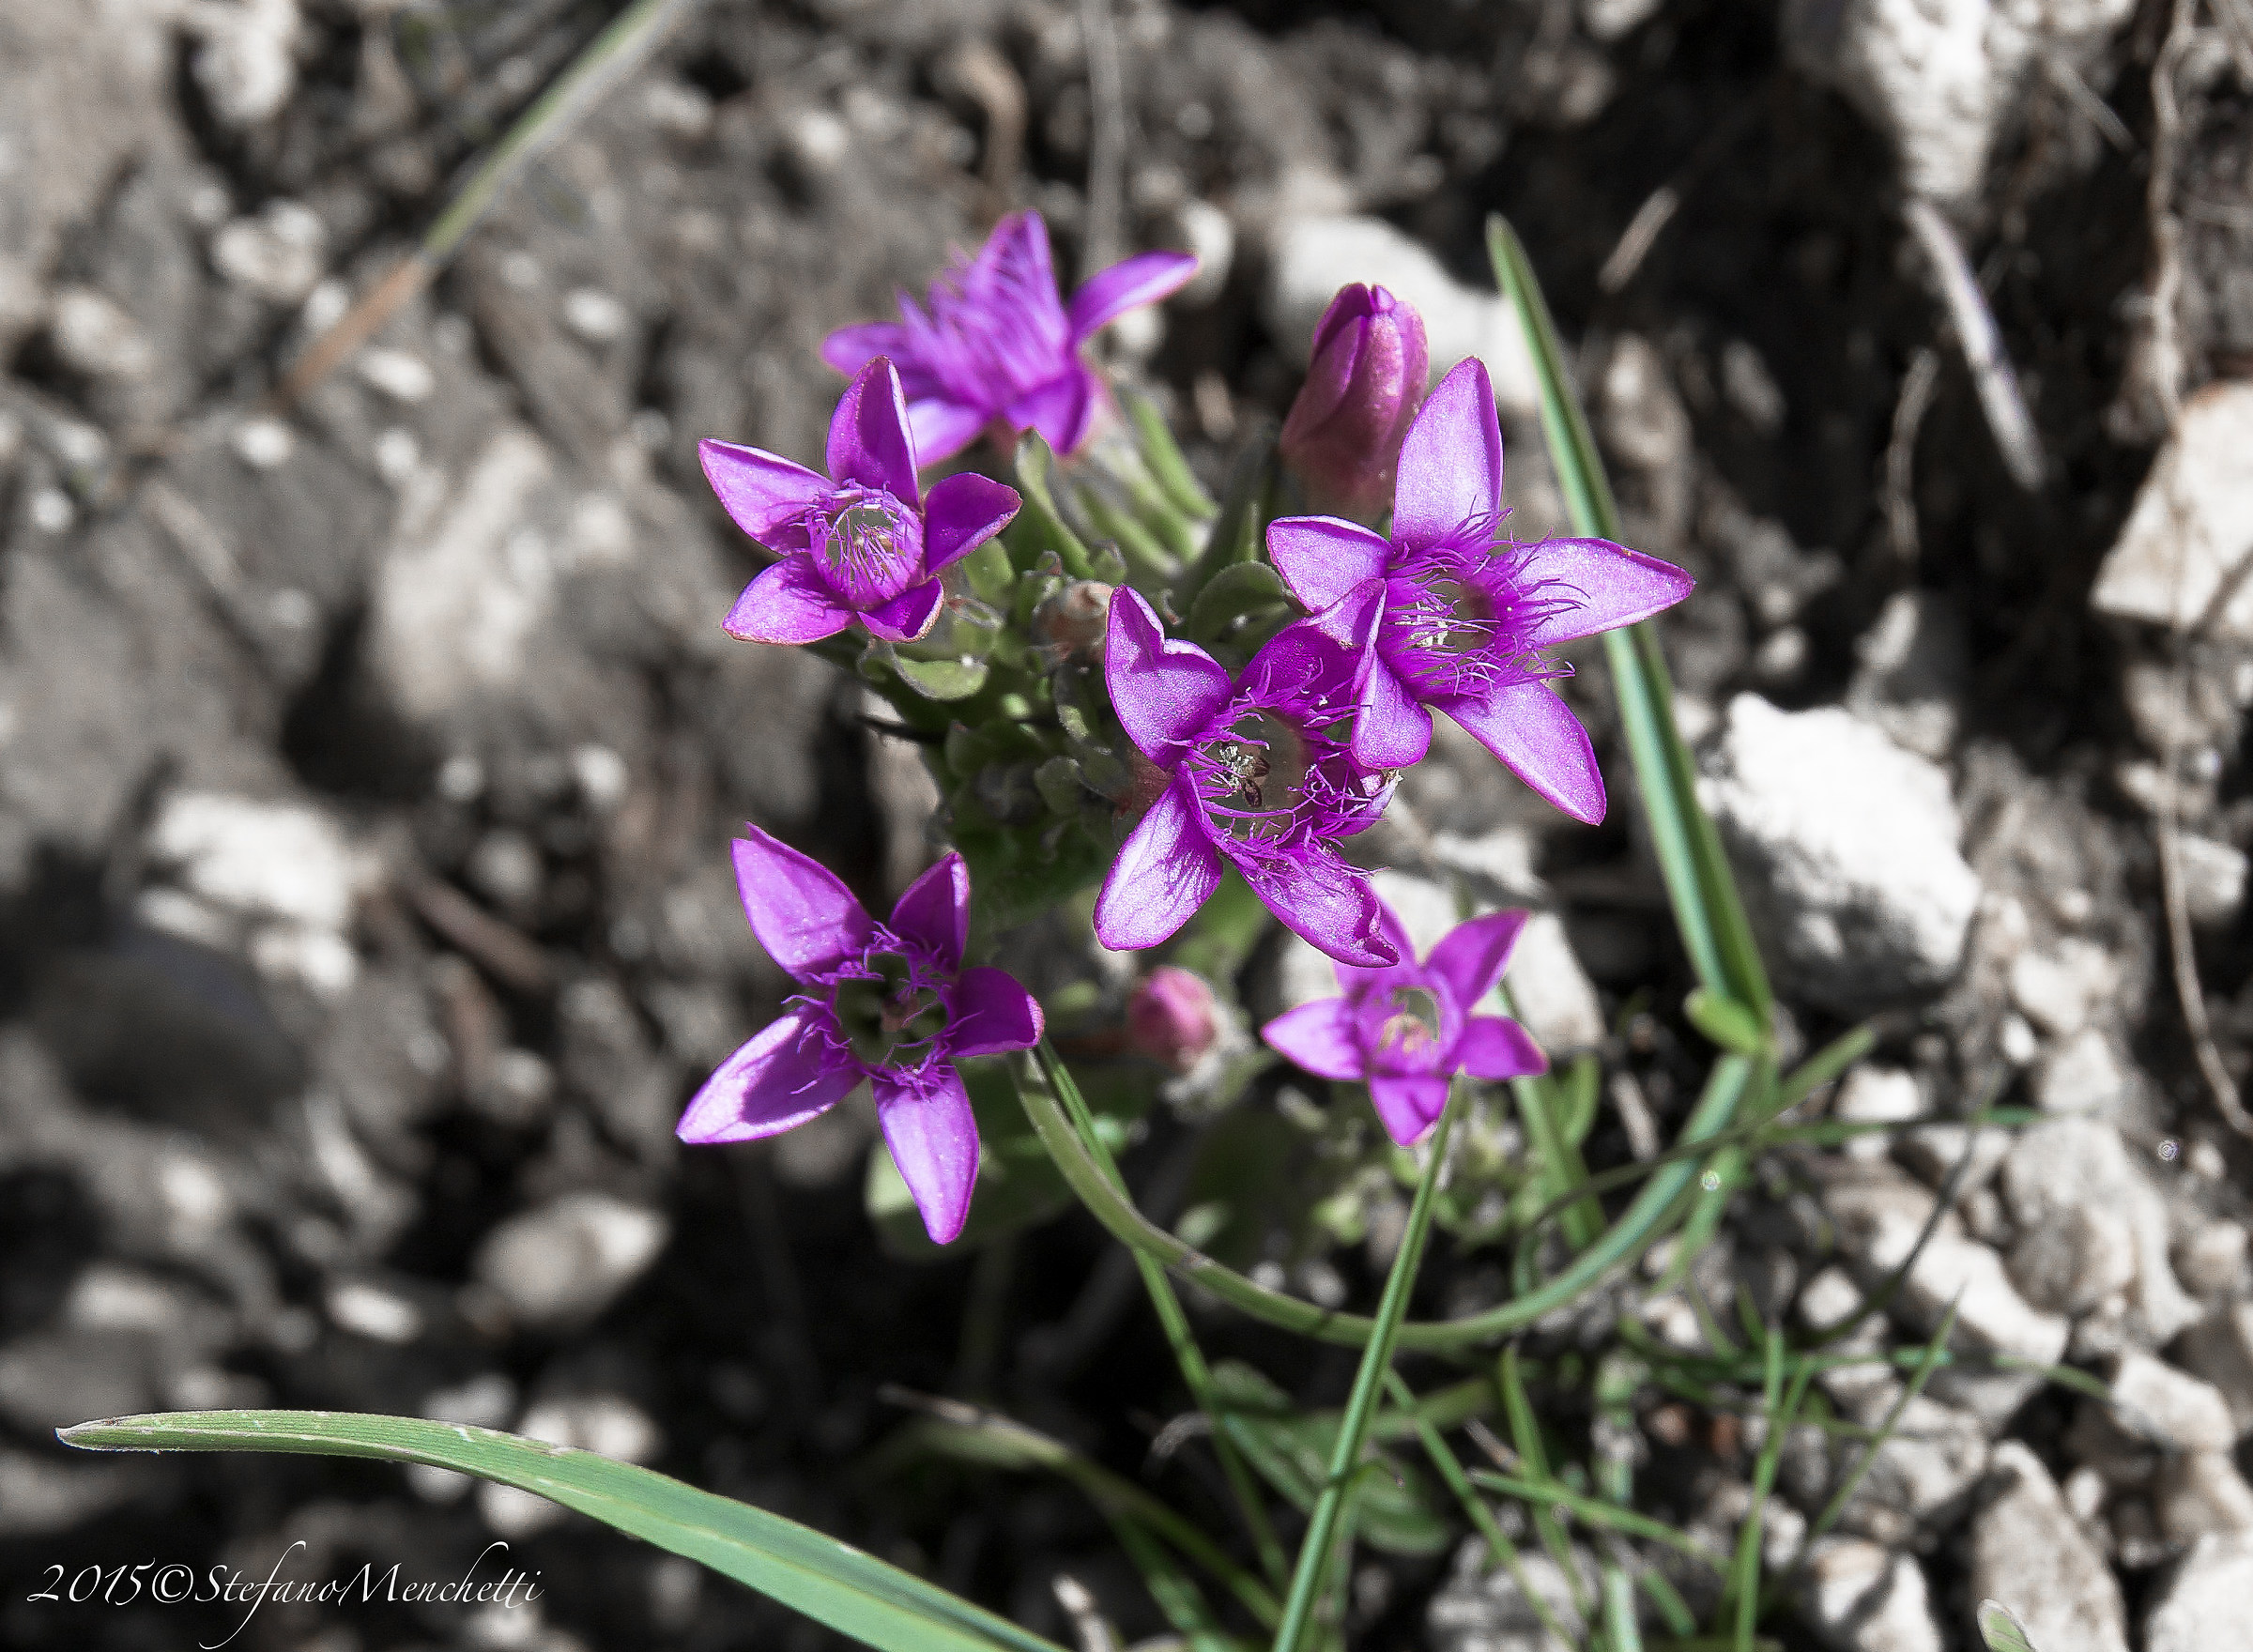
x: 1623, y: 1241
x: 1361, y: 1406
x: 1194, y: 1371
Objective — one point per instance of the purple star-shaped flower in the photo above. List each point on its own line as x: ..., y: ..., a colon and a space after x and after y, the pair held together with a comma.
x: 1408, y: 1029
x: 862, y: 542
x: 890, y: 1004
x: 1466, y: 612
x: 994, y: 345
x: 1256, y: 772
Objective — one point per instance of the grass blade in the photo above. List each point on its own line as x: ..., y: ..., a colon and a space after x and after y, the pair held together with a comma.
x: 853, y: 1593
x: 1362, y: 1404
x: 1698, y: 882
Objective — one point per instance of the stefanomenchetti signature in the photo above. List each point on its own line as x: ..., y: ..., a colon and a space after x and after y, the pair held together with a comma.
x: 171, y: 1583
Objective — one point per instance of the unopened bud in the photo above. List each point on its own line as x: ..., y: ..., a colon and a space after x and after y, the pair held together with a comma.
x: 1342, y: 436
x: 1171, y: 1017
x: 1073, y: 619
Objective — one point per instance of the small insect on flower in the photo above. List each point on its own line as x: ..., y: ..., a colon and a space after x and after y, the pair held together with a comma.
x: 1467, y: 613
x: 1254, y: 772
x: 886, y: 1005
x: 863, y: 543
x: 1408, y: 1029
x: 993, y: 344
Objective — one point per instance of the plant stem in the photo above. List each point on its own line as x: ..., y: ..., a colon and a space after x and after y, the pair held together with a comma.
x: 1361, y: 1406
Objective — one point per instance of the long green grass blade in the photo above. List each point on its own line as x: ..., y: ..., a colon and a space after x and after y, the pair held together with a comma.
x: 1525, y: 1434
x: 1037, y: 1071
x: 1315, y: 1549
x: 855, y: 1594
x: 1698, y: 882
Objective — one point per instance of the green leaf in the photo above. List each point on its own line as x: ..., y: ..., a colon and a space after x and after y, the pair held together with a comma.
x: 1019, y: 872
x: 1238, y: 591
x: 2000, y: 1627
x: 941, y: 680
x: 1163, y: 455
x: 1394, y: 1509
x: 1726, y: 1021
x: 853, y: 1593
x: 1039, y: 525
x: 1240, y: 534
x: 1706, y: 907
x: 989, y: 572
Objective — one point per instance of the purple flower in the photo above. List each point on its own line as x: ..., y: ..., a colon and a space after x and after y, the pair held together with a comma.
x: 1468, y: 612
x: 1256, y: 773
x: 865, y: 545
x: 1408, y: 1029
x: 1343, y: 435
x: 994, y: 345
x: 889, y: 1003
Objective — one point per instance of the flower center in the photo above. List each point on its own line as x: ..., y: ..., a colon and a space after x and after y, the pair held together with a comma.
x: 1456, y: 618
x: 1253, y: 774
x: 892, y: 1018
x: 1412, y: 1031
x: 869, y: 547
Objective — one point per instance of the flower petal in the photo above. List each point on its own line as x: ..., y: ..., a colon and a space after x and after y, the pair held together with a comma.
x: 1392, y: 730
x: 1408, y: 1107
x: 935, y: 910
x: 1322, y: 557
x: 1472, y: 955
x: 851, y: 348
x: 1319, y: 1038
x: 1016, y: 274
x: 942, y: 428
x: 1540, y: 740
x: 868, y: 441
x: 933, y: 1137
x: 1450, y: 469
x: 1493, y: 1047
x: 788, y: 603
x: 1128, y: 284
x: 1167, y: 868
x: 1164, y: 692
x: 907, y: 615
x: 802, y: 915
x: 1606, y: 585
x: 759, y: 491
x: 988, y: 1012
x: 1323, y: 901
x: 962, y: 513
x: 794, y: 1069
x: 1060, y: 409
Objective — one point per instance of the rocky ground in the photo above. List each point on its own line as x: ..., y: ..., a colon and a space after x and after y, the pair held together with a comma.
x: 366, y: 768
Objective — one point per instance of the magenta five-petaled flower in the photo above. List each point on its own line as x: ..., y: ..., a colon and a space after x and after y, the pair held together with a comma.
x: 1254, y: 772
x: 1407, y: 1029
x: 890, y: 1004
x: 993, y: 343
x: 1468, y: 612
x: 863, y: 542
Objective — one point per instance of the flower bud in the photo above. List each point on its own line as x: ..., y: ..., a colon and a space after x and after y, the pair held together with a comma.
x: 1072, y: 619
x: 1342, y: 436
x: 1171, y: 1018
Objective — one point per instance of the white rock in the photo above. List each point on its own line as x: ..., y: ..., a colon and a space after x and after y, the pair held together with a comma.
x: 1482, y: 1609
x: 263, y: 443
x: 2076, y: 1260
x: 454, y: 612
x: 1314, y: 256
x: 595, y: 315
x: 2211, y: 1261
x: 246, y: 65
x: 396, y: 373
x: 1554, y: 996
x: 2029, y: 1553
x: 563, y: 1263
x: 1848, y: 844
x: 279, y: 255
x: 1864, y: 1598
x: 2081, y: 1075
x: 2219, y: 1349
x: 2169, y: 1407
x: 2191, y: 528
x: 95, y: 337
x: 1921, y: 1476
x: 2060, y: 989
x: 2199, y: 1605
x: 2214, y: 878
x: 371, y: 1311
x: 261, y: 860
x: 1873, y: 1094
x: 2200, y: 1495
x: 2072, y: 1164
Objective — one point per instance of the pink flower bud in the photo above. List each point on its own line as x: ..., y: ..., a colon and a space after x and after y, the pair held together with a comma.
x: 1171, y: 1018
x: 1342, y: 436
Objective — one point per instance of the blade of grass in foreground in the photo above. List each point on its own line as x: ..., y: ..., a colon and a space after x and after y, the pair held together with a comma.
x: 853, y: 1593
x: 1706, y: 905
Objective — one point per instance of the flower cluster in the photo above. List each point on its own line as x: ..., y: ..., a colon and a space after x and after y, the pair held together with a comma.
x: 1116, y: 673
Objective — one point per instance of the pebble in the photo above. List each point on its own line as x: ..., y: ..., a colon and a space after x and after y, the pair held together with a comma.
x: 2082, y: 1164
x: 2220, y: 1350
x: 402, y: 376
x: 2213, y: 879
x: 279, y: 255
x: 246, y: 65
x: 2190, y: 531
x: 1482, y: 1609
x: 1849, y: 848
x: 2029, y: 1553
x: 263, y: 444
x: 2081, y: 1075
x: 562, y: 1263
x: 2170, y: 1408
x: 260, y: 859
x: 2198, y: 1495
x: 1873, y: 1095
x: 2200, y: 1604
x: 94, y: 336
x: 2060, y: 990
x: 1863, y: 1596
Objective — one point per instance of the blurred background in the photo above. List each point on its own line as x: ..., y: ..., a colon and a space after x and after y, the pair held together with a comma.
x: 369, y: 745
